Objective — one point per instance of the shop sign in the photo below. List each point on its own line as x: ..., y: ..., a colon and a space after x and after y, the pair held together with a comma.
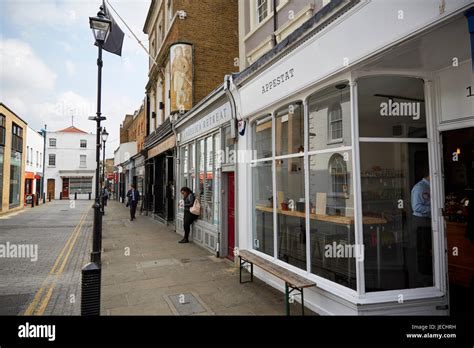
x: 219, y: 116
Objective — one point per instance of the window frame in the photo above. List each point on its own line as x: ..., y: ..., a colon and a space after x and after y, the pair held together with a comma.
x: 52, y: 156
x: 82, y: 164
x: 52, y: 142
x: 81, y: 142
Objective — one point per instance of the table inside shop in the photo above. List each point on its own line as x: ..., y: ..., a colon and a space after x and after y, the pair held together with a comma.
x: 347, y: 221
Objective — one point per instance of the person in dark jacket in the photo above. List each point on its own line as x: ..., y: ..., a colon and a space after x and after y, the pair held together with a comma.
x: 133, y: 197
x: 189, y: 218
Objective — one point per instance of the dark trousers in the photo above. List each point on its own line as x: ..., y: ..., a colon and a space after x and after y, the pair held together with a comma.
x: 133, y: 209
x: 188, y: 221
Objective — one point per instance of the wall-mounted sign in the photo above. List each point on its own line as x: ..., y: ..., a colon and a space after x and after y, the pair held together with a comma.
x: 181, y: 89
x: 214, y: 119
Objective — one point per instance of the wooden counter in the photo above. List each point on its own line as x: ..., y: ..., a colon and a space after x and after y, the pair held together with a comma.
x: 342, y: 220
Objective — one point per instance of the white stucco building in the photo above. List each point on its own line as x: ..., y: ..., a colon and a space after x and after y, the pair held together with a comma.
x: 34, y: 162
x: 123, y: 162
x: 70, y: 164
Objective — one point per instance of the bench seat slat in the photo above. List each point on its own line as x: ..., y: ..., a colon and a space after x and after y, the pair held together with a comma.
x: 291, y: 278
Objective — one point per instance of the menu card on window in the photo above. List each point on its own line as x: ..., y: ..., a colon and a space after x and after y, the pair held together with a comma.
x: 321, y: 203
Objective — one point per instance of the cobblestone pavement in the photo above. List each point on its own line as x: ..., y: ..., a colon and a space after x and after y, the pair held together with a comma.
x: 146, y: 272
x: 61, y: 230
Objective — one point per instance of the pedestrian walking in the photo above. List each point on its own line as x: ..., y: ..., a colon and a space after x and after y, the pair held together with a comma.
x: 133, y: 197
x: 106, y: 196
x: 191, y: 211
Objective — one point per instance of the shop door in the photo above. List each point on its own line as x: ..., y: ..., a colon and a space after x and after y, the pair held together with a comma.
x: 230, y: 216
x: 458, y: 170
x: 51, y: 188
x: 65, y: 191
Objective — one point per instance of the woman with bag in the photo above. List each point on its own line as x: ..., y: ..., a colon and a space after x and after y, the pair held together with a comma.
x: 192, y: 209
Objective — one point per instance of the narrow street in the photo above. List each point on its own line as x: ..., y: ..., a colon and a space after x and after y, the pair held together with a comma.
x: 47, y: 283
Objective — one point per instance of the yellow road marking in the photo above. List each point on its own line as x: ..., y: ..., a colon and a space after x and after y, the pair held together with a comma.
x: 42, y: 307
x: 32, y: 306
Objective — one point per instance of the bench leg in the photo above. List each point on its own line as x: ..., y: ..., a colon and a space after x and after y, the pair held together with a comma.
x: 241, y: 266
x: 287, y: 299
x: 302, y: 302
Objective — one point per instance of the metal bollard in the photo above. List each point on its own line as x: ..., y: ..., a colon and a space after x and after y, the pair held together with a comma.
x: 90, y: 290
x: 90, y: 194
x: 33, y: 201
x: 49, y: 197
x: 60, y: 196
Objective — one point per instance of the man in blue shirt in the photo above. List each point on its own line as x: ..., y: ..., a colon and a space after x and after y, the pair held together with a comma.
x: 421, y: 206
x: 421, y: 198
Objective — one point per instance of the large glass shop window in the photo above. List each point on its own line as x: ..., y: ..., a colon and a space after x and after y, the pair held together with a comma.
x: 262, y: 194
x: 395, y: 182
x: 333, y: 252
x: 262, y: 187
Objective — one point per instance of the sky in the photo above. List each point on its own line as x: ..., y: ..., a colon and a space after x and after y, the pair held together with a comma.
x: 48, y: 64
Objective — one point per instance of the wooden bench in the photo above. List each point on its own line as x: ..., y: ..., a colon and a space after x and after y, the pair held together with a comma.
x: 293, y: 281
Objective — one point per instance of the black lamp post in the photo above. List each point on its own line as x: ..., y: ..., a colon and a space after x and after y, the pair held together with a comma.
x: 91, y: 273
x: 104, y: 135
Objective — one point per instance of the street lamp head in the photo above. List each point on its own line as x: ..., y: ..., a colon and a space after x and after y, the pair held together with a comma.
x: 104, y: 135
x: 100, y: 26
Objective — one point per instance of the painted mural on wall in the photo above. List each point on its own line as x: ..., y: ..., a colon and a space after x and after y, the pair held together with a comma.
x: 181, y: 77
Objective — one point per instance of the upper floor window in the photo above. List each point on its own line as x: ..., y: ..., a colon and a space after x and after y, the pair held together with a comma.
x: 262, y: 10
x: 83, y: 161
x: 83, y: 144
x: 17, y: 138
x: 52, y: 160
x: 37, y: 158
x: 27, y: 155
x: 2, y: 129
x: 52, y: 142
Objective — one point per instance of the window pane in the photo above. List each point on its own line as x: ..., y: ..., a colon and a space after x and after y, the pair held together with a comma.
x: 184, y: 173
x: 262, y: 137
x: 289, y: 130
x: 262, y: 196
x: 228, y: 156
x: 330, y: 118
x: 333, y: 252
x: 398, y: 247
x: 80, y: 185
x: 391, y: 106
x: 202, y: 173
x: 209, y: 178
x: 291, y: 214
x: 216, y: 189
x: 15, y: 178
x: 192, y: 167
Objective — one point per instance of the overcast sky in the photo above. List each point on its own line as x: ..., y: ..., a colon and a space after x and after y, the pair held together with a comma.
x: 48, y: 64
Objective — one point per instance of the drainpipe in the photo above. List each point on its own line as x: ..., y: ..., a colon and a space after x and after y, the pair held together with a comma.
x: 275, y: 22
x: 233, y: 131
x: 175, y: 172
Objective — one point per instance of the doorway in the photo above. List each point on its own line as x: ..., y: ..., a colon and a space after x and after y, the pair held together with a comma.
x: 65, y: 191
x: 51, y: 188
x: 458, y: 169
x: 230, y: 215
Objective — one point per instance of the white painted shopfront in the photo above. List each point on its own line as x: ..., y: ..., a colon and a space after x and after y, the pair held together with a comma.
x: 205, y: 166
x: 345, y: 128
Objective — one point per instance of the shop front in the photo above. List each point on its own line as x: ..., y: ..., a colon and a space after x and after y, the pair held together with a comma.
x: 138, y: 175
x: 345, y: 186
x: 206, y: 166
x: 159, y: 199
